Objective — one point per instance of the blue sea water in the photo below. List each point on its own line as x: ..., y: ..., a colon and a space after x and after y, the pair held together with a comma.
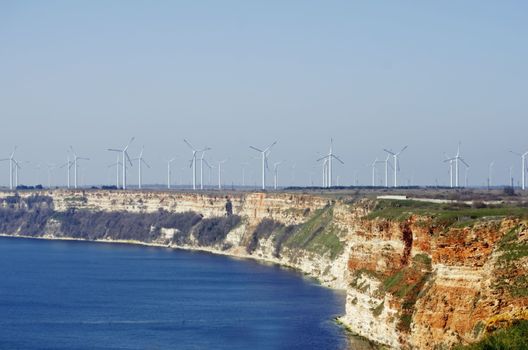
x: 80, y: 295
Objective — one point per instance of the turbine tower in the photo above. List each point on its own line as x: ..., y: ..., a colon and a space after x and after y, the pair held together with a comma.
x: 264, y: 153
x: 75, y: 166
x: 387, y: 164
x: 201, y: 166
x: 193, y: 160
x: 12, y: 162
x: 373, y: 166
x: 125, y: 158
x: 396, y: 163
x: 490, y: 171
x: 450, y: 160
x: 329, y: 158
x: 276, y: 174
x: 141, y: 160
x: 169, y: 161
x: 68, y: 166
x: 523, y: 167
x: 457, y: 159
x: 117, y: 164
x: 220, y: 173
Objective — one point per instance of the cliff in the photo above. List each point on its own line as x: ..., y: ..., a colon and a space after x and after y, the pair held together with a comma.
x: 417, y: 275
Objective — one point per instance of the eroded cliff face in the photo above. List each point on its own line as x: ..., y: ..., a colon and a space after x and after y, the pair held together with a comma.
x: 410, y: 283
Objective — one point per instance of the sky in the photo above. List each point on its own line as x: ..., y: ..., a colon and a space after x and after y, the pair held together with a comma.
x: 230, y: 74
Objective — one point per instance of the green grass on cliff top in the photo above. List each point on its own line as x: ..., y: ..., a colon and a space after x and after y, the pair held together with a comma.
x: 445, y: 214
x: 318, y: 234
x: 512, y: 338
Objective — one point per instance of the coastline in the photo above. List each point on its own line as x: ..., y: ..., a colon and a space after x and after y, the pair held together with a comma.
x: 355, y: 341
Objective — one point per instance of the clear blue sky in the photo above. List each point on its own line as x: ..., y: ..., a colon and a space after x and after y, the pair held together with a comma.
x: 229, y: 74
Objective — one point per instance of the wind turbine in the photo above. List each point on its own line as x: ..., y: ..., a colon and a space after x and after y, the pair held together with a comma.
x: 387, y: 164
x: 457, y: 159
x: 220, y: 173
x: 329, y: 158
x: 193, y: 160
x: 396, y: 163
x: 264, y: 153
x: 490, y: 171
x: 117, y: 164
x: 201, y: 166
x: 373, y: 166
x: 12, y: 162
x: 125, y: 158
x: 51, y: 167
x: 169, y: 161
x: 450, y: 160
x: 141, y: 160
x: 523, y: 167
x: 75, y: 159
x: 68, y: 166
x: 276, y: 174
x: 325, y: 173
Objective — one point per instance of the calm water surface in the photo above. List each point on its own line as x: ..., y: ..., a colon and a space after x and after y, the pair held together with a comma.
x: 78, y: 295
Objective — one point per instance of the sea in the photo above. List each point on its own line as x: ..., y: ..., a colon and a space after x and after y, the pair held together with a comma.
x: 84, y: 295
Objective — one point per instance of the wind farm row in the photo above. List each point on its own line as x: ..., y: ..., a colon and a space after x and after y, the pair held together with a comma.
x: 199, y: 163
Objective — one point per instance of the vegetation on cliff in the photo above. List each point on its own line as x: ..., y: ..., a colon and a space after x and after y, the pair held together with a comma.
x: 318, y: 234
x: 443, y: 214
x: 513, y: 248
x: 511, y: 338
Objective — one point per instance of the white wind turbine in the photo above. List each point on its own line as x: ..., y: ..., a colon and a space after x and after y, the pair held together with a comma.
x: 523, y: 167
x: 325, y: 173
x: 51, y: 167
x: 75, y: 166
x: 201, y: 166
x: 169, y: 161
x: 450, y: 160
x: 329, y: 166
x: 220, y: 173
x: 490, y: 174
x: 264, y: 154
x: 125, y: 157
x: 387, y: 164
x: 276, y: 174
x: 117, y: 164
x: 396, y: 163
x: 68, y: 166
x: 193, y: 161
x: 457, y: 159
x: 140, y: 161
x: 12, y: 162
x: 373, y: 167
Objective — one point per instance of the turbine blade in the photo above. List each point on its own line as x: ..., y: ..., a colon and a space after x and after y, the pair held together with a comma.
x: 128, y: 158
x: 463, y: 161
x: 386, y: 150
x: 256, y: 149
x: 336, y: 157
x: 114, y: 150
x: 269, y: 147
x: 403, y: 149
x: 144, y: 162
x: 189, y: 144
